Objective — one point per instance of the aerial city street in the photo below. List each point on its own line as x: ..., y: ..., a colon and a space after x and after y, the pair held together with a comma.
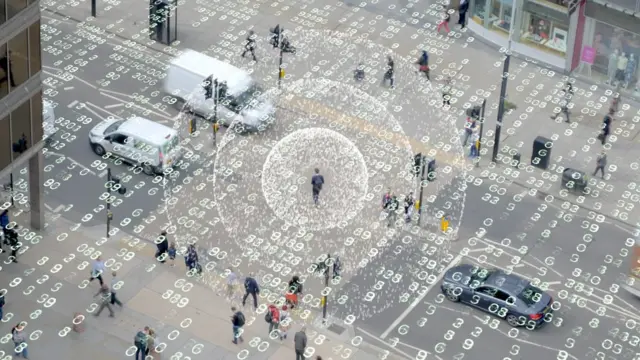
x: 398, y: 187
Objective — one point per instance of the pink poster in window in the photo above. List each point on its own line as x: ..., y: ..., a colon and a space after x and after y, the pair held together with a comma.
x: 588, y: 54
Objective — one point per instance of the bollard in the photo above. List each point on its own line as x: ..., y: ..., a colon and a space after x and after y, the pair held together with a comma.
x: 77, y: 327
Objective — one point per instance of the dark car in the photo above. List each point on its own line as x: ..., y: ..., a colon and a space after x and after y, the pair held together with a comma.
x: 499, y: 293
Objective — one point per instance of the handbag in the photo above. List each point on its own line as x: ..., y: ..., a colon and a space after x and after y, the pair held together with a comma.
x: 424, y: 67
x: 600, y: 136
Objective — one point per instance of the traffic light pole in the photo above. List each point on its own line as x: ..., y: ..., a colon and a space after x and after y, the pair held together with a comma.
x: 503, y: 93
x: 280, y: 69
x: 422, y: 165
x: 109, y: 213
x: 215, y: 112
x: 93, y: 8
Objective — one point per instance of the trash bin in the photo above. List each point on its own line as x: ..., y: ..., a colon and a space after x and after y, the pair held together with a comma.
x: 541, y: 152
x: 574, y: 180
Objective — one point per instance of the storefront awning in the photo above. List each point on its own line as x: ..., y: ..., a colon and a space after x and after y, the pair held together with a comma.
x: 629, y: 7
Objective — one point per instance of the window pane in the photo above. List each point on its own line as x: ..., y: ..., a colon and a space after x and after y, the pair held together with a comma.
x: 36, y: 117
x: 4, y: 71
x: 15, y: 6
x: 19, y: 59
x: 5, y: 143
x: 34, y: 48
x: 3, y: 12
x: 21, y: 129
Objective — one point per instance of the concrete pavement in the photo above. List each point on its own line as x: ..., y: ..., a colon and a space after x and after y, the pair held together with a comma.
x: 188, y: 317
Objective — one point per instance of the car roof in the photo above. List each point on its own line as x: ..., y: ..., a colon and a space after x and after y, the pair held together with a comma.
x: 509, y: 282
x: 204, y: 65
x: 147, y: 130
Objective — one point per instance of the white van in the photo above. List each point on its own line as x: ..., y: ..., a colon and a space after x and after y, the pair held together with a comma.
x: 139, y: 141
x: 185, y: 78
x: 48, y: 121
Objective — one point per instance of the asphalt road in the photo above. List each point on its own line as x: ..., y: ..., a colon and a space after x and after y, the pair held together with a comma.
x: 404, y: 312
x: 91, y: 81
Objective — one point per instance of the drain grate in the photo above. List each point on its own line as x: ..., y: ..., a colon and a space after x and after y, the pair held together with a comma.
x: 336, y: 329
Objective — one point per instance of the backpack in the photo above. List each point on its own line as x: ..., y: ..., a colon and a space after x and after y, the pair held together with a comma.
x: 2, y: 301
x: 240, y: 318
x: 268, y: 317
x: 141, y: 340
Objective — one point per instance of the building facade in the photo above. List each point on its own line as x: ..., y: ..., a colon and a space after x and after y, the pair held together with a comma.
x: 21, y: 128
x: 542, y: 30
x: 612, y: 35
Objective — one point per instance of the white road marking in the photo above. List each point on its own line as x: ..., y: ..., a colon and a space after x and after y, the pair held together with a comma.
x: 51, y: 68
x: 95, y: 113
x: 624, y: 229
x: 72, y: 104
x: 68, y: 88
x: 113, y: 106
x: 73, y: 161
x: 117, y: 93
x: 73, y: 78
x: 528, y: 342
x: 48, y: 207
x: 626, y: 303
x: 140, y: 107
x: 103, y: 174
x: 419, y: 299
x: 409, y: 357
x: 59, y: 208
x: 99, y: 108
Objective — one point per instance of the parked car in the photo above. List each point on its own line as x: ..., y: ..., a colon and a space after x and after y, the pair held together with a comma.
x: 139, y: 141
x: 499, y: 293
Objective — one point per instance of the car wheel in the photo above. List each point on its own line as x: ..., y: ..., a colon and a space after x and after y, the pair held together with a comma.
x: 451, y: 296
x: 98, y: 149
x: 148, y: 169
x: 513, y: 320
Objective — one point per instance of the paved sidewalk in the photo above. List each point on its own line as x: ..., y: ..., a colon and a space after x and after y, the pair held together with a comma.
x: 188, y: 317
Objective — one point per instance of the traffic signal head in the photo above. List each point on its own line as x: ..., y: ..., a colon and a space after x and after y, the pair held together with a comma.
x: 208, y: 87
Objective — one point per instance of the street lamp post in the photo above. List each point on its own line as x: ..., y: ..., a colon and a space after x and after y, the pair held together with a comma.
x: 113, y: 183
x: 422, y: 167
x: 503, y: 88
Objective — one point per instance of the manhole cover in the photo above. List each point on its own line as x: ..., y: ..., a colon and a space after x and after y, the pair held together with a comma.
x: 336, y: 329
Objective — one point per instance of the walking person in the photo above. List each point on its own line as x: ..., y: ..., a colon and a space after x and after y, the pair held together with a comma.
x: 114, y: 282
x: 294, y: 290
x: 140, y: 342
x: 285, y: 321
x: 358, y: 73
x: 151, y: 343
x: 606, y: 127
x: 564, y: 105
x: 317, y: 181
x: 386, y: 198
x: 105, y: 300
x: 601, y: 162
x: 462, y: 12
x: 11, y: 237
x: 300, y: 343
x: 237, y: 321
x: 162, y: 243
x: 445, y: 21
x: 251, y: 288
x: 97, y: 269
x: 3, y: 300
x: 408, y: 207
x: 232, y: 279
x: 423, y: 63
x: 389, y: 73
x: 272, y: 317
x: 172, y: 253
x: 446, y: 92
x: 250, y: 45
x: 392, y: 208
x: 20, y: 340
x: 191, y: 259
x: 469, y: 127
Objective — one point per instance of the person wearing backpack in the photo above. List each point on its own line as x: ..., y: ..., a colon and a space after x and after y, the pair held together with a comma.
x: 272, y: 317
x: 285, y: 321
x: 140, y: 342
x: 11, y: 237
x: 237, y: 320
x: 294, y: 289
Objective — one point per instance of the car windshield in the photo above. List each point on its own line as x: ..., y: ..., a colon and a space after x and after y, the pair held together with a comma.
x: 170, y: 145
x: 480, y: 274
x: 530, y: 295
x: 248, y: 98
x: 113, y: 127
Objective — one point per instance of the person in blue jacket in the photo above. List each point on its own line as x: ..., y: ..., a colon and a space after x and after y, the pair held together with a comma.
x: 251, y: 288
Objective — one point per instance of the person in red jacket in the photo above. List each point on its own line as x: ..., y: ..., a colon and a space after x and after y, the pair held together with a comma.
x: 273, y: 316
